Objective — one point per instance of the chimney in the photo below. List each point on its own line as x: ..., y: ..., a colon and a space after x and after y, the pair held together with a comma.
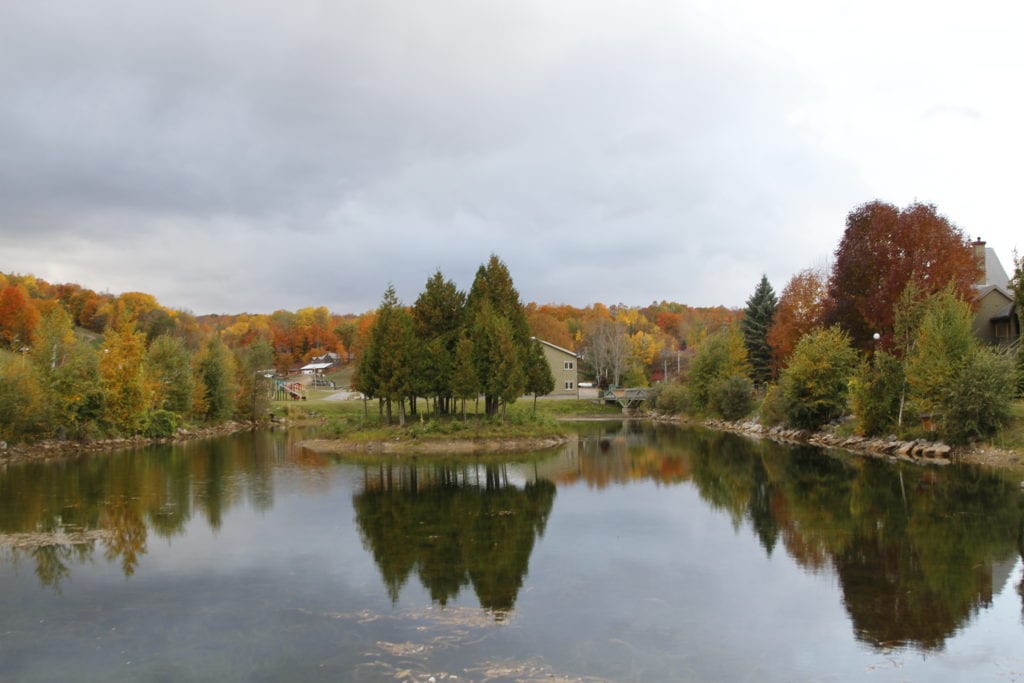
x: 979, y: 257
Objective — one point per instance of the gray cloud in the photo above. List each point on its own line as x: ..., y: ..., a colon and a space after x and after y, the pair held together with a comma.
x: 279, y: 156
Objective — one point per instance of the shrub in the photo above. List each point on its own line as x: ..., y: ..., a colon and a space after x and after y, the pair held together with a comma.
x: 773, y: 407
x: 732, y: 397
x: 815, y: 383
x: 978, y: 403
x: 720, y: 356
x: 160, y: 424
x: 671, y: 398
x: 875, y: 393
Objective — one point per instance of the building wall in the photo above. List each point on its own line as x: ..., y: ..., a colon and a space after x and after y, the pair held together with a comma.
x: 991, y: 304
x: 566, y: 378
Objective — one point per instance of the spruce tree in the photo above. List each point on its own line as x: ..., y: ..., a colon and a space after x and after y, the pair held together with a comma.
x: 757, y: 320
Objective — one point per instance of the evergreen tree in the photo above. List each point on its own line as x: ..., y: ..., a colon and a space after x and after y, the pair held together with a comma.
x: 437, y: 321
x: 757, y: 320
x: 386, y: 370
x: 463, y: 383
x: 494, y: 296
x: 539, y: 379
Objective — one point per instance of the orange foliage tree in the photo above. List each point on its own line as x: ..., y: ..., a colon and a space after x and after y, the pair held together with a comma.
x: 883, y: 249
x: 799, y: 311
x: 19, y: 317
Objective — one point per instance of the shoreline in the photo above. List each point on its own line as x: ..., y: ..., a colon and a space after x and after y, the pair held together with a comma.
x: 919, y: 451
x: 516, y: 444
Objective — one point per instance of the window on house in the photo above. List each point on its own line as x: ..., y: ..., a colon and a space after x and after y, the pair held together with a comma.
x: 568, y: 386
x: 567, y: 365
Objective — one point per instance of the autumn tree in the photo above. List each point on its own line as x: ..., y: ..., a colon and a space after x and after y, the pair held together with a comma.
x: 21, y: 397
x: 18, y: 317
x: 883, y: 249
x: 607, y: 350
x: 757, y: 320
x: 252, y: 398
x: 121, y: 373
x: 169, y: 374
x: 800, y: 310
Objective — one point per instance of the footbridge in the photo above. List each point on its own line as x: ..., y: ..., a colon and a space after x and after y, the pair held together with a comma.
x: 628, y: 398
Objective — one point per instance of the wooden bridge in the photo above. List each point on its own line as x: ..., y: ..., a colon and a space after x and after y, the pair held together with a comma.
x: 629, y: 399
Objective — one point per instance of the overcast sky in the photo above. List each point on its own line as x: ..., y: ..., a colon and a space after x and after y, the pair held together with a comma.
x: 253, y: 156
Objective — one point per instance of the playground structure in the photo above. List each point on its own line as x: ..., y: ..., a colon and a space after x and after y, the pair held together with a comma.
x: 294, y: 391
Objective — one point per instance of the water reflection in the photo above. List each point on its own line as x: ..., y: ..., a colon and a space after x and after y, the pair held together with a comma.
x: 453, y: 525
x: 55, y: 515
x: 917, y: 552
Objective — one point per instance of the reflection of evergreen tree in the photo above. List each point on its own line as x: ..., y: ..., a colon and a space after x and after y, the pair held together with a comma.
x: 453, y: 526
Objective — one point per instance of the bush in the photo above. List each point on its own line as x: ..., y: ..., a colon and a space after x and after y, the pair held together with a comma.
x: 161, y: 424
x: 875, y: 393
x: 773, y: 407
x: 732, y: 397
x: 815, y: 383
x: 979, y: 401
x: 671, y: 398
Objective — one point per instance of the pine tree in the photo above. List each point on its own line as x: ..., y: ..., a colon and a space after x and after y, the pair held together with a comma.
x: 437, y: 320
x: 386, y: 370
x: 757, y: 320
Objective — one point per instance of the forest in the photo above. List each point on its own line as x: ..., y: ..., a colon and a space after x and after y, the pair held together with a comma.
x: 884, y: 334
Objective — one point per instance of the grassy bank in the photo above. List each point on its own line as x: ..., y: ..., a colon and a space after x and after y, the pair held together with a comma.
x: 356, y: 421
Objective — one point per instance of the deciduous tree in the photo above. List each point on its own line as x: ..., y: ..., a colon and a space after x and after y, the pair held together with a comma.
x: 882, y: 249
x: 799, y: 311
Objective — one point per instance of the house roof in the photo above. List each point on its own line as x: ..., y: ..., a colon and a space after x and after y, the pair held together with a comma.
x: 983, y: 291
x: 316, y: 366
x: 555, y: 346
x: 995, y: 274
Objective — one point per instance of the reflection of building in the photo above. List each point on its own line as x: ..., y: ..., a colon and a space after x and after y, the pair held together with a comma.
x: 995, y: 319
x: 564, y: 368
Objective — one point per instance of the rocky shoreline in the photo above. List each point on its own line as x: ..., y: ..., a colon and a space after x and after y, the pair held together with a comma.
x: 920, y: 451
x: 62, y: 450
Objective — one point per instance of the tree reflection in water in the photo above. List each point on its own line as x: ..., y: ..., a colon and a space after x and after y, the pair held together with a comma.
x: 453, y: 525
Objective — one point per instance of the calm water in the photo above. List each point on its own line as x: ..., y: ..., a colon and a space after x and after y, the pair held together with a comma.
x: 640, y: 553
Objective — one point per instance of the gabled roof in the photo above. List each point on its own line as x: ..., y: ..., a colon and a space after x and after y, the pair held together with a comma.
x: 555, y: 346
x: 982, y: 291
x: 995, y: 274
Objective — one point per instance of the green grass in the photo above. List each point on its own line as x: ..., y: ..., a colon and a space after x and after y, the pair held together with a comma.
x: 350, y: 419
x: 1011, y: 437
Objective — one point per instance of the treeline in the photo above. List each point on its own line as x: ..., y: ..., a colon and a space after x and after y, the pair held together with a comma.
x: 885, y: 337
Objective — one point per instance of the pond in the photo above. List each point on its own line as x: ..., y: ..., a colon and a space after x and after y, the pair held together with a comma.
x: 638, y: 552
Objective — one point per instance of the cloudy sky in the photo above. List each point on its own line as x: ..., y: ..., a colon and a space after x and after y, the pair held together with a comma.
x: 252, y: 156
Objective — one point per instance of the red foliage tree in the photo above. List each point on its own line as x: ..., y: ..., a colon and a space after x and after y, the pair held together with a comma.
x: 883, y: 248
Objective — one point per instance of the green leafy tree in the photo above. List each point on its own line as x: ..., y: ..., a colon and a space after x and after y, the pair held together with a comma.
x: 215, y: 383
x: 722, y: 355
x: 815, y: 383
x: 21, y: 397
x: 943, y: 347
x: 757, y: 320
x: 966, y: 389
x: 876, y: 394
x: 254, y: 362
x: 169, y: 374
